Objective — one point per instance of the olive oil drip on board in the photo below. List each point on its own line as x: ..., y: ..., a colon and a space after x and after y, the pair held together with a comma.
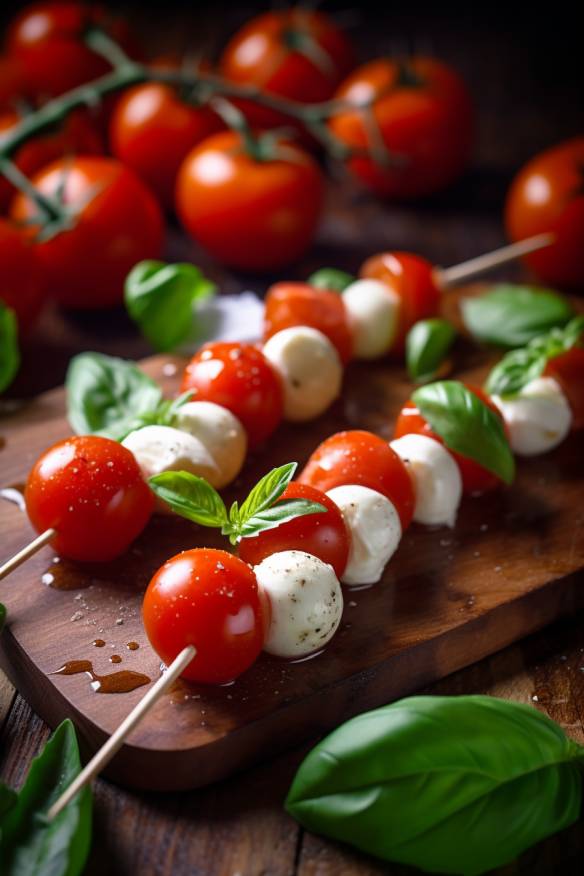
x: 122, y: 681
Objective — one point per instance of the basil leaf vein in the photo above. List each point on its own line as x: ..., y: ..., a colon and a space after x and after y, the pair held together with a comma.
x: 281, y: 512
x: 267, y: 490
x: 191, y: 497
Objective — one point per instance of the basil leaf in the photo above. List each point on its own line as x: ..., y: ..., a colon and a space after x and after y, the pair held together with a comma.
x: 160, y: 298
x: 191, y: 497
x: 467, y: 425
x: 519, y: 367
x: 331, y: 279
x: 447, y: 784
x: 108, y: 396
x: 9, y: 352
x: 267, y: 491
x: 427, y: 343
x: 8, y: 799
x: 510, y: 315
x: 281, y: 512
x: 30, y: 845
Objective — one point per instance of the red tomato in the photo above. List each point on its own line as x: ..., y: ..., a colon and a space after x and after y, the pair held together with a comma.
x: 152, y: 131
x: 77, y: 135
x: 411, y: 277
x: 568, y: 370
x: 475, y: 478
x: 256, y: 215
x: 294, y: 304
x: 295, y: 53
x: 239, y: 377
x: 209, y: 599
x: 118, y: 223
x: 21, y: 287
x: 323, y: 535
x: 424, y: 116
x: 548, y: 195
x: 91, y: 490
x: 12, y: 85
x: 361, y: 458
x: 47, y: 39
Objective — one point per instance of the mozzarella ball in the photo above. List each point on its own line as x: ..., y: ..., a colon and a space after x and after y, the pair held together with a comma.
x: 373, y: 310
x: 306, y: 602
x: 163, y: 448
x: 310, y: 369
x: 374, y: 528
x: 220, y: 432
x: 436, y: 478
x: 538, y: 418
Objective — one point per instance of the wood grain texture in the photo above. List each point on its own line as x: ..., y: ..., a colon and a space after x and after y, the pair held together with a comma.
x: 447, y: 599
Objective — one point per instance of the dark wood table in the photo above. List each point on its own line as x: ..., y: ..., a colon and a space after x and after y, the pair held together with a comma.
x: 526, y: 85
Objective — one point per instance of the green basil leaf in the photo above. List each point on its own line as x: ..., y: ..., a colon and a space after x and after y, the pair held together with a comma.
x: 331, y: 279
x: 518, y: 367
x: 447, y: 784
x: 160, y: 298
x: 281, y: 512
x: 8, y: 799
x: 467, y: 425
x: 191, y: 497
x: 510, y: 315
x: 30, y: 845
x: 267, y: 491
x: 108, y: 396
x: 427, y: 344
x: 9, y: 352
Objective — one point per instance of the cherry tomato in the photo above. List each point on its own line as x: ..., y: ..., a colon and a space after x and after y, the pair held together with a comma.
x: 475, y: 478
x: 77, y: 135
x: 295, y: 53
x: 251, y: 214
x: 21, y: 286
x: 118, y: 223
x: 294, y: 304
x: 411, y: 277
x: 548, y: 195
x: 323, y: 535
x: 423, y: 113
x: 152, y: 131
x: 209, y: 599
x: 12, y: 84
x: 47, y: 39
x: 362, y: 458
x: 91, y: 490
x: 239, y: 377
x: 568, y: 370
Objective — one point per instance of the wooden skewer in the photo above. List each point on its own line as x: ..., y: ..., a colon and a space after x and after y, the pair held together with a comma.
x: 446, y: 277
x: 114, y: 743
x: 31, y: 548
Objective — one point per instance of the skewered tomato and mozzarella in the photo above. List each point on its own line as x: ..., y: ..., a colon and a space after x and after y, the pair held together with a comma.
x: 436, y: 477
x: 220, y: 432
x: 538, y: 418
x: 373, y: 309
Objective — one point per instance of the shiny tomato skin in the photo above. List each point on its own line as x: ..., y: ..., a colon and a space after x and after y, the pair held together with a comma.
x: 323, y: 535
x: 295, y: 304
x: 475, y: 478
x: 254, y: 215
x: 12, y: 83
x: 21, y: 286
x: 423, y: 112
x: 568, y: 370
x: 411, y: 277
x: 152, y: 131
x: 548, y: 195
x: 47, y: 39
x: 239, y: 377
x: 262, y: 54
x: 209, y: 599
x: 90, y: 489
x: 76, y: 136
x: 118, y: 224
x: 359, y: 457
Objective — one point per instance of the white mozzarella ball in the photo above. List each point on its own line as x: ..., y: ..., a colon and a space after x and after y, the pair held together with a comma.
x: 305, y: 599
x: 436, y: 478
x: 538, y: 418
x: 375, y: 530
x: 163, y: 448
x: 310, y: 369
x: 373, y: 310
x: 220, y: 432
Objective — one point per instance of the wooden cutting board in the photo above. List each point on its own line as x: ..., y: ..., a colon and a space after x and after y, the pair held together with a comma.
x: 513, y: 563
